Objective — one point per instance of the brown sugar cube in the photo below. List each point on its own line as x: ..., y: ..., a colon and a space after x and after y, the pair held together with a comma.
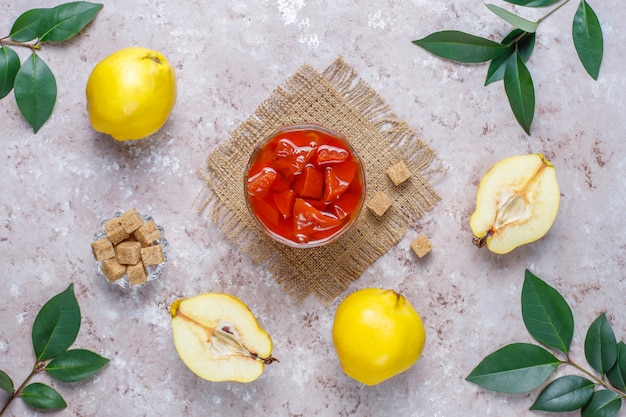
x: 147, y: 234
x: 379, y: 203
x: 113, y: 270
x: 115, y: 231
x: 102, y: 249
x: 152, y: 255
x: 136, y: 274
x: 131, y: 221
x: 421, y: 246
x: 399, y: 173
x: 128, y: 252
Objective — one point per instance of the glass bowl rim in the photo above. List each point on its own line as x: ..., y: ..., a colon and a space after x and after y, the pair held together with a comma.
x: 298, y: 127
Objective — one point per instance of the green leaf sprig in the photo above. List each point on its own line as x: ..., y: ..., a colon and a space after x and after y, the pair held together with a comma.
x: 508, y: 58
x: 55, y: 329
x: 522, y: 367
x: 33, y: 82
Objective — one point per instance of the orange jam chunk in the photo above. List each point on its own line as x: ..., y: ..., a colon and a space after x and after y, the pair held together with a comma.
x: 290, y: 158
x: 304, y: 185
x: 337, y: 180
x: 268, y: 212
x: 310, y: 183
x: 327, y: 154
x: 259, y: 184
x: 308, y: 220
x: 284, y: 202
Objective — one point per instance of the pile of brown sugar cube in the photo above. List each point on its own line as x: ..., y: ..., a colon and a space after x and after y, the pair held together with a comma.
x: 131, y: 245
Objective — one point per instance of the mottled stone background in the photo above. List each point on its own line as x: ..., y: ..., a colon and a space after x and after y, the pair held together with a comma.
x: 59, y: 184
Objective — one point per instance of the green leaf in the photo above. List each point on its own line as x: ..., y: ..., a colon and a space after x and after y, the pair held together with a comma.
x: 600, y: 345
x: 26, y: 27
x: 66, y: 20
x: 9, y: 65
x: 42, y: 396
x: 588, y: 40
x: 515, y: 368
x: 498, y: 66
x: 56, y: 325
x: 518, y: 85
x: 547, y: 316
x: 513, y: 19
x: 525, y: 45
x: 75, y: 365
x: 604, y: 403
x: 567, y: 393
x: 461, y: 46
x: 533, y: 3
x: 6, y: 383
x: 35, y: 91
x: 617, y: 374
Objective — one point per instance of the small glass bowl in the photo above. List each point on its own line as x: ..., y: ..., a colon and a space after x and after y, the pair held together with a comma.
x: 153, y: 272
x: 257, y: 156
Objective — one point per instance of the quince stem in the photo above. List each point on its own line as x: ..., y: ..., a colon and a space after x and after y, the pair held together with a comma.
x: 482, y: 241
x: 39, y: 367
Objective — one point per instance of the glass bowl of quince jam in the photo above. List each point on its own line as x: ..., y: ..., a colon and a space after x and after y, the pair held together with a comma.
x: 305, y: 185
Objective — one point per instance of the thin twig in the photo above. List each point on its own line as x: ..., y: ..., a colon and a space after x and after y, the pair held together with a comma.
x: 552, y: 11
x: 39, y: 366
x: 33, y: 46
x: 596, y: 379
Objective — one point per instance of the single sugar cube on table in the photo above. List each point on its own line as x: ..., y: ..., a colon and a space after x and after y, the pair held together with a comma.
x: 421, y: 246
x: 379, y: 203
x: 399, y: 173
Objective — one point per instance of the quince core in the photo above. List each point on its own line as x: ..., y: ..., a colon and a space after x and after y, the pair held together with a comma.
x: 219, y: 339
x: 516, y: 203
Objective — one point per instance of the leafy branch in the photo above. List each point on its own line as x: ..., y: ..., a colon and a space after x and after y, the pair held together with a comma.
x: 33, y: 82
x: 508, y: 58
x: 55, y: 329
x: 522, y: 367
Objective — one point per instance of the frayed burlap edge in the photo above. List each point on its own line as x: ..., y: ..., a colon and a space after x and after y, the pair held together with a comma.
x: 339, y: 100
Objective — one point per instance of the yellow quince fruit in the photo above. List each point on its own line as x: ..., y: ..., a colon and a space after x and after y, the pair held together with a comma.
x: 219, y: 339
x: 517, y: 202
x: 131, y: 93
x: 377, y: 334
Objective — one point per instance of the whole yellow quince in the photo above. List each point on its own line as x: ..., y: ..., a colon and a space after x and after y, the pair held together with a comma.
x: 377, y: 334
x: 131, y: 93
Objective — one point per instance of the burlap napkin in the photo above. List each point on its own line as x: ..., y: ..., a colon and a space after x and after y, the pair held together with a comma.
x: 341, y: 101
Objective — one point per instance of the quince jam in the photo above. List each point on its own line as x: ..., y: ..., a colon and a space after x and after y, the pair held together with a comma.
x: 305, y: 185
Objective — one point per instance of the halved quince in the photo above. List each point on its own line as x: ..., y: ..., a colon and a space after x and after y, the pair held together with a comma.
x: 219, y: 339
x: 516, y: 203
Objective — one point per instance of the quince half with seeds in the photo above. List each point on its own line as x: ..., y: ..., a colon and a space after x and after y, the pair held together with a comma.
x: 219, y: 339
x: 516, y: 203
